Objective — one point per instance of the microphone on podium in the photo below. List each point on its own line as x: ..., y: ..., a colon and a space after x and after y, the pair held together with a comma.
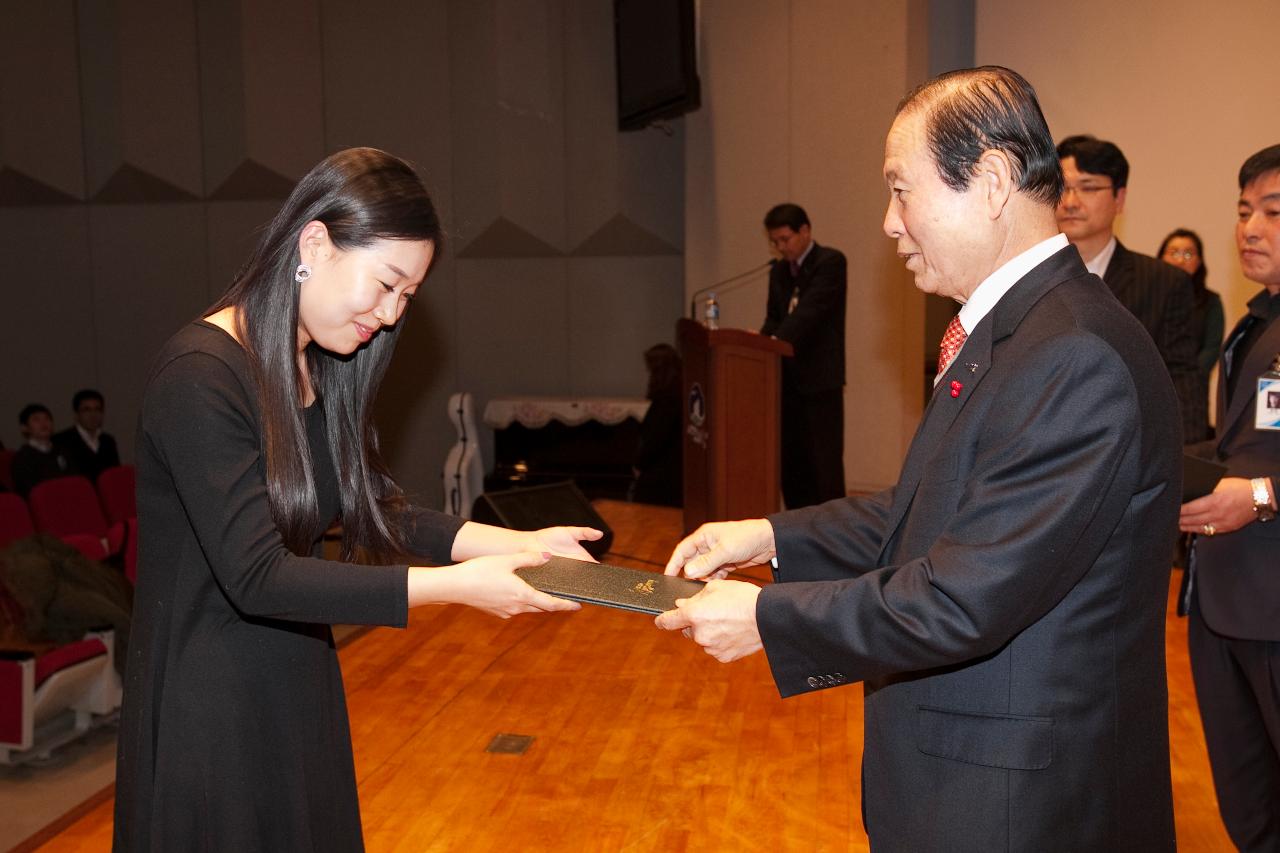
x: 715, y: 286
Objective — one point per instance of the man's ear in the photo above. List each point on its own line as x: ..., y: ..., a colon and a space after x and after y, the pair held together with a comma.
x: 1121, y: 194
x: 995, y: 176
x: 314, y: 242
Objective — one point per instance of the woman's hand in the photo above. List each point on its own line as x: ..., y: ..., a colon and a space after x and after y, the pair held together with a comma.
x: 480, y: 540
x: 485, y: 583
x: 564, y: 541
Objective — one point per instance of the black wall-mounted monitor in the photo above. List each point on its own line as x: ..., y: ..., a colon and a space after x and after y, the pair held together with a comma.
x: 657, y: 55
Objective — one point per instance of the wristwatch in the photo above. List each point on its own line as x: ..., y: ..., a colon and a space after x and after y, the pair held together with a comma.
x: 1262, y: 499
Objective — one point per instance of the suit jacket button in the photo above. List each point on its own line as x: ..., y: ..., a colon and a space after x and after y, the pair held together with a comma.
x: 813, y: 682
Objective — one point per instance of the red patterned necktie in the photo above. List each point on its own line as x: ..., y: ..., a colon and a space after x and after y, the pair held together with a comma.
x: 952, y: 340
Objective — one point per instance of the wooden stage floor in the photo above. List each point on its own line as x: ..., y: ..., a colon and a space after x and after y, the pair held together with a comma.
x: 641, y: 741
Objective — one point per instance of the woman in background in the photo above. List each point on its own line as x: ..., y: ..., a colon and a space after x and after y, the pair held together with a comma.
x: 659, y: 472
x: 1184, y: 249
x: 256, y: 435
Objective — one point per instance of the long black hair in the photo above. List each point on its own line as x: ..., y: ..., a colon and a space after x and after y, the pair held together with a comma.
x: 361, y: 195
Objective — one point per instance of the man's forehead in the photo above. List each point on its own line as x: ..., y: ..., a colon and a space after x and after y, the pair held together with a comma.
x: 1265, y: 187
x: 902, y: 141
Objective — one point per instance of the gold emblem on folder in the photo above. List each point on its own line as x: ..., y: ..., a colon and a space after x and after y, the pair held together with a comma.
x: 645, y: 588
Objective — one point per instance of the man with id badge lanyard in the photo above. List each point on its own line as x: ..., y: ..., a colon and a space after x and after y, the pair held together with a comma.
x: 1234, y: 593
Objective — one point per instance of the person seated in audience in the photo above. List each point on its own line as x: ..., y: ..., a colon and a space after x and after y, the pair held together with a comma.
x: 85, y: 444
x: 1184, y: 250
x: 38, y: 460
x: 62, y: 593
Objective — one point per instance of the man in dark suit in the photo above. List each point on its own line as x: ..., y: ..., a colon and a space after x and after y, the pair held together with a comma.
x: 807, y: 288
x: 1234, y: 579
x: 1161, y: 296
x: 39, y: 458
x: 1004, y: 601
x: 91, y: 450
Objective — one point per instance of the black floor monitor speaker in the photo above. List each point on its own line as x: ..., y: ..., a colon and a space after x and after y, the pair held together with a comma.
x: 543, y: 506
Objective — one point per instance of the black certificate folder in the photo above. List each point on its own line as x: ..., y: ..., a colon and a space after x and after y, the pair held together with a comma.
x: 611, y: 586
x: 1199, y: 476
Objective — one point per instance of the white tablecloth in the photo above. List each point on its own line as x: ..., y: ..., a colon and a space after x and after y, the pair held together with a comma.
x: 537, y: 412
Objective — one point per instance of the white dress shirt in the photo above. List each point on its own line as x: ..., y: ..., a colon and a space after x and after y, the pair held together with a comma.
x: 1099, y: 262
x: 996, y: 285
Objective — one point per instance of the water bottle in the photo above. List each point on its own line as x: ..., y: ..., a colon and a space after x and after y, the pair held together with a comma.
x: 711, y: 315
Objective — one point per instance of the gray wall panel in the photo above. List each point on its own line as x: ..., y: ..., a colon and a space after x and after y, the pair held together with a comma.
x: 475, y: 177
x: 618, y: 308
x: 513, y: 331
x: 651, y: 181
x: 262, y: 96
x: 234, y: 228
x: 139, y: 76
x: 284, y: 92
x: 150, y: 276
x: 401, y: 103
x: 508, y: 109
x: 415, y: 428
x: 505, y: 106
x: 222, y: 115
x: 635, y: 175
x: 40, y: 127
x: 48, y: 343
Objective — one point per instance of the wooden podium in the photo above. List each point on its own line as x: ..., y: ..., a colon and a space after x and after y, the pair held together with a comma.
x: 732, y: 394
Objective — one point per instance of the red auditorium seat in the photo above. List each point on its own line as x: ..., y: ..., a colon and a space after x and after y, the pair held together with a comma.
x: 50, y: 697
x: 15, y: 520
x: 53, y: 698
x: 87, y: 544
x: 69, y: 505
x: 115, y: 489
x: 6, y: 468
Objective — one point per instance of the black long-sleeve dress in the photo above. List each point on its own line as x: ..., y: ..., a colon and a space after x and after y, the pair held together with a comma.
x: 234, y: 732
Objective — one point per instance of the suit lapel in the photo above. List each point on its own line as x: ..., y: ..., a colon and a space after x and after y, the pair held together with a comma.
x: 1259, y: 360
x: 1119, y: 275
x: 968, y: 369
x: 802, y: 275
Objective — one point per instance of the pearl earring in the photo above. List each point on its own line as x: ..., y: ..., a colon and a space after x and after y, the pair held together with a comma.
x: 303, y: 273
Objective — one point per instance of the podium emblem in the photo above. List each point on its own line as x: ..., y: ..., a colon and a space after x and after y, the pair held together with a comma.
x: 697, y: 405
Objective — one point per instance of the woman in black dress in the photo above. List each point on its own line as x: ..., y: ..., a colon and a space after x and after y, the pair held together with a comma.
x: 1185, y: 250
x: 255, y: 436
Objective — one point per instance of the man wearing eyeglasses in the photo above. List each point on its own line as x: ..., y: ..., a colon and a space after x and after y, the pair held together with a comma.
x: 1161, y: 297
x: 807, y: 288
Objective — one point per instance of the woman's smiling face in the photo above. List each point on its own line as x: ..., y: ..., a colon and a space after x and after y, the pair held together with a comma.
x: 351, y: 295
